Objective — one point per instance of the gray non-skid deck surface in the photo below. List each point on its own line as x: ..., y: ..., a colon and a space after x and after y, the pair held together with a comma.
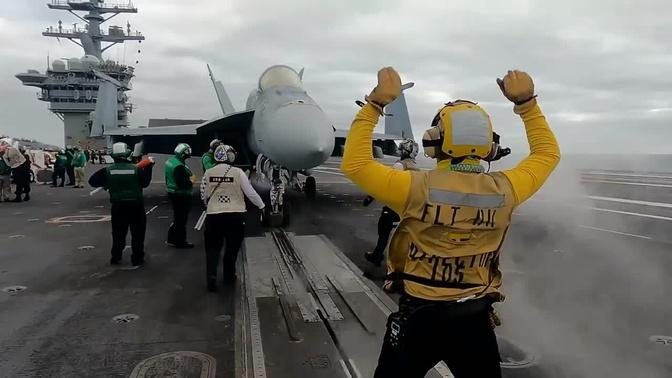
x: 359, y: 333
x: 555, y: 261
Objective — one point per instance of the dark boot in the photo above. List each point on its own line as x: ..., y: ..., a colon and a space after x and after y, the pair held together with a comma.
x: 26, y: 197
x: 229, y: 277
x: 212, y: 284
x: 137, y: 262
x: 170, y: 240
x: 17, y: 199
x: 374, y: 258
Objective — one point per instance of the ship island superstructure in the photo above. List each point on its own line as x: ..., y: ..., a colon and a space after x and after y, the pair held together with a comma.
x: 71, y: 85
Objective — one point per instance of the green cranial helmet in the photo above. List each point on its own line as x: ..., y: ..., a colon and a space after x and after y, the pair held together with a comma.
x: 120, y: 150
x: 183, y: 150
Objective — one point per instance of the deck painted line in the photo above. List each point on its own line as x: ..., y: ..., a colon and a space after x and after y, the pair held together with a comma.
x: 328, y: 168
x: 634, y: 202
x: 614, y: 232
x: 625, y: 175
x: 628, y: 183
x: 356, y: 370
x: 345, y: 369
x: 328, y: 172
x: 152, y: 209
x: 327, y: 183
x: 606, y: 210
x: 631, y: 213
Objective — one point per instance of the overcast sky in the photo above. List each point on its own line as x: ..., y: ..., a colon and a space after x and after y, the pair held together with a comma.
x: 602, y: 68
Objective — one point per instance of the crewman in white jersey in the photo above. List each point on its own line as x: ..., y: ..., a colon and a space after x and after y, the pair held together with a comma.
x: 223, y: 190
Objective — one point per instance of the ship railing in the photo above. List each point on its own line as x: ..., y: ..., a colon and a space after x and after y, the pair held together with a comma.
x: 122, y: 34
x: 74, y: 31
x: 54, y: 29
x: 107, y: 4
x: 118, y: 5
x: 114, y: 67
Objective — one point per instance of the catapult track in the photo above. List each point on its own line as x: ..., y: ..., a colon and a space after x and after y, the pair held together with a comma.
x: 304, y: 311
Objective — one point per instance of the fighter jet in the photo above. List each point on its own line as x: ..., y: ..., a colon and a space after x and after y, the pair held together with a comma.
x: 280, y: 136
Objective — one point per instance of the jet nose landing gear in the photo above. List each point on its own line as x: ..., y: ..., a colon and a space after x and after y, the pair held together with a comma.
x: 310, y: 187
x: 272, y: 180
x: 280, y: 218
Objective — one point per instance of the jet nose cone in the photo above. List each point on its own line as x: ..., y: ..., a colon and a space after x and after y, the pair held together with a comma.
x: 316, y: 156
x: 305, y: 138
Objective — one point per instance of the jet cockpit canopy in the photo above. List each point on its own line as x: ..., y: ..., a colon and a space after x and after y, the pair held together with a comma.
x: 279, y: 76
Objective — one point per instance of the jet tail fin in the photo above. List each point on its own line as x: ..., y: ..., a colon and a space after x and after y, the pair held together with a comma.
x: 222, y: 96
x: 397, y: 121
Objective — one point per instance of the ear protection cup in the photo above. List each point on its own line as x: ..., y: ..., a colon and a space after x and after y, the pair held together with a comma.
x: 432, y: 140
x: 494, y: 150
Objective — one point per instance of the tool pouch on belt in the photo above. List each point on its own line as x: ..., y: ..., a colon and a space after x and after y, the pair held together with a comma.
x: 397, y: 326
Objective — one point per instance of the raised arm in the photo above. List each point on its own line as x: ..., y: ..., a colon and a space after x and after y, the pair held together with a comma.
x: 383, y: 183
x: 532, y: 172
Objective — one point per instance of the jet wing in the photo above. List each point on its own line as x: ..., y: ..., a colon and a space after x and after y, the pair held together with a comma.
x: 231, y: 129
x: 149, y: 131
x: 383, y: 143
x: 397, y: 127
x: 340, y: 133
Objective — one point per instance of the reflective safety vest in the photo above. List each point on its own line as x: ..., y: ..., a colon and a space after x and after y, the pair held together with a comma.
x: 408, y: 164
x: 171, y: 184
x: 123, y: 182
x: 223, y: 191
x: 69, y: 156
x: 208, y: 161
x: 450, y: 235
x: 79, y: 160
x: 61, y: 162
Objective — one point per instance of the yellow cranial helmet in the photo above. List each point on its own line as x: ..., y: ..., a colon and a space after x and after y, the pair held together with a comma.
x: 460, y: 129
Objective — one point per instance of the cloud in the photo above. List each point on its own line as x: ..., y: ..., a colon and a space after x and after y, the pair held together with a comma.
x: 602, y: 68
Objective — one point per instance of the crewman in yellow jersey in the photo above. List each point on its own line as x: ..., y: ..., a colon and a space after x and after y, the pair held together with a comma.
x: 445, y: 252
